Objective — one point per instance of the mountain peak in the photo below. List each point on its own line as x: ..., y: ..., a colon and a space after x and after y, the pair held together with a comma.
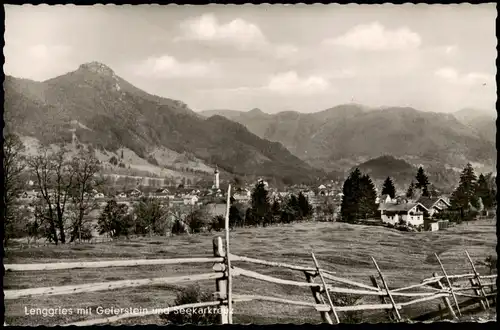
x: 97, y: 67
x: 256, y: 111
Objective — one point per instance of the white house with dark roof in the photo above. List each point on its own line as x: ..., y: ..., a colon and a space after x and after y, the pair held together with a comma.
x: 410, y: 213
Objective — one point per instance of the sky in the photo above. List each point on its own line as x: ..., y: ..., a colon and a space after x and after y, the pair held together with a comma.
x: 305, y: 58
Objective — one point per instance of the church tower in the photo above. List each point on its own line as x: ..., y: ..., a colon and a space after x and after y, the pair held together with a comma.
x: 216, y: 174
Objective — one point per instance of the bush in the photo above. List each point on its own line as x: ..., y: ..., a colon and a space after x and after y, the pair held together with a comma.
x: 197, y: 220
x: 218, y: 223
x: 197, y: 316
x: 179, y: 227
x: 113, y: 161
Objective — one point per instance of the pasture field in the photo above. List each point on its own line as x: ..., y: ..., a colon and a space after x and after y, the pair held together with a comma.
x: 405, y: 258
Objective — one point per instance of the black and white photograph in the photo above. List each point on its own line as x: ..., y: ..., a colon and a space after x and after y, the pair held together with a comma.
x: 249, y: 164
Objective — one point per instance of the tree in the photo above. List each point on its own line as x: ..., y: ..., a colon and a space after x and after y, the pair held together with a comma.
x: 113, y: 161
x: 54, y: 180
x: 151, y: 217
x: 85, y: 167
x: 197, y: 219
x: 237, y: 181
x: 304, y: 206
x: 388, y: 188
x: 276, y: 210
x: 114, y: 220
x: 351, y: 196
x: 464, y: 195
x: 260, y: 204
x: 13, y: 172
x: 486, y: 191
x: 359, y: 197
x: 367, y: 206
x: 249, y: 217
x: 411, y: 190
x: 422, y: 182
x: 236, y: 216
x: 326, y: 210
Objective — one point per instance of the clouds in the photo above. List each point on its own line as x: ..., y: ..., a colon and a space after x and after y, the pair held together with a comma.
x: 375, y: 37
x: 37, y: 61
x: 237, y: 32
x: 273, y: 57
x: 451, y: 75
x: 167, y: 66
x: 42, y: 51
x: 290, y: 83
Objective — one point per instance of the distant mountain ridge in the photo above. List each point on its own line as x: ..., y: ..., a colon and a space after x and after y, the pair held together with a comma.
x: 343, y: 136
x: 482, y: 121
x: 103, y: 110
x: 402, y: 173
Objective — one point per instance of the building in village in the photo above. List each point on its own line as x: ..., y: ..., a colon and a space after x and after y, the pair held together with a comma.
x: 409, y: 213
x: 435, y: 205
x: 385, y: 199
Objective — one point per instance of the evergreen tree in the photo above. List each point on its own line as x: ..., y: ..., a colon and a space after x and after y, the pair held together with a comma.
x: 350, y: 201
x: 276, y: 210
x: 304, y: 206
x: 261, y: 207
x: 485, y: 191
x: 249, y: 217
x: 422, y: 182
x: 294, y: 205
x: 235, y: 216
x: 464, y: 195
x: 367, y: 206
x: 411, y: 190
x: 388, y: 188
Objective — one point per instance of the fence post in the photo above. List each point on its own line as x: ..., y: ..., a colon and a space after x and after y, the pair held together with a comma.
x: 446, y: 300
x: 318, y: 298
x: 449, y: 284
x: 326, y: 289
x: 228, y: 261
x: 383, y: 299
x: 398, y: 316
x: 480, y: 291
x: 473, y: 282
x: 221, y: 283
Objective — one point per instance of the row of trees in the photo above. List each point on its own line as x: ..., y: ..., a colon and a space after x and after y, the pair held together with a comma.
x: 262, y: 212
x: 473, y: 193
x: 418, y: 187
x: 150, y: 216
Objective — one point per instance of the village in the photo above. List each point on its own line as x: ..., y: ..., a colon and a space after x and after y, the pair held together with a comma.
x: 409, y: 214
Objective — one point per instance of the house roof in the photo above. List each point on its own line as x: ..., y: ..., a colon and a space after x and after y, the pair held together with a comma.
x: 403, y: 207
x: 429, y: 202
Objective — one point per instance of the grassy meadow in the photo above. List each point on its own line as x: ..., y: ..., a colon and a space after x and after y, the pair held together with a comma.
x: 405, y: 258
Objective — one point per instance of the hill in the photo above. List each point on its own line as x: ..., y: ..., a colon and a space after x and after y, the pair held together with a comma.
x: 343, y: 136
x: 482, y: 121
x: 97, y: 107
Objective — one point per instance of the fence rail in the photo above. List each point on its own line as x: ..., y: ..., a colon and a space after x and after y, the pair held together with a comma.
x: 220, y: 273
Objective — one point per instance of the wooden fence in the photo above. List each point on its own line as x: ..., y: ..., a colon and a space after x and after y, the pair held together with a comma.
x: 445, y: 287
